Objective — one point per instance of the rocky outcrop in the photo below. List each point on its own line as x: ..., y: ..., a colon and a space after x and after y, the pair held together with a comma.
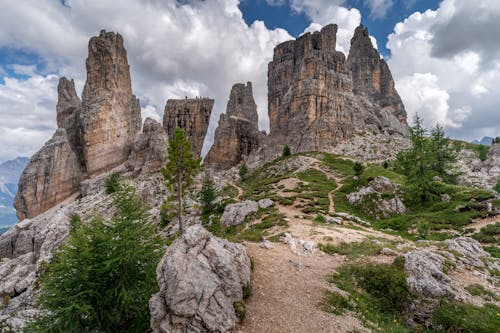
x: 433, y: 275
x: 200, y: 278
x: 476, y: 173
x: 238, y: 133
x: 192, y: 115
x: 94, y: 134
x: 149, y: 152
x: 52, y: 175
x: 110, y: 113
x: 375, y: 199
x: 372, y: 78
x: 235, y: 214
x: 314, y: 102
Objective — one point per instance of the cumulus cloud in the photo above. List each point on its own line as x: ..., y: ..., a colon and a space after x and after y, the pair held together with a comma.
x: 379, y: 8
x: 175, y: 49
x: 447, y: 72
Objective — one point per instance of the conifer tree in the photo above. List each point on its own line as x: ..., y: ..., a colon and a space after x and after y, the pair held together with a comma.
x: 207, y: 193
x: 180, y: 170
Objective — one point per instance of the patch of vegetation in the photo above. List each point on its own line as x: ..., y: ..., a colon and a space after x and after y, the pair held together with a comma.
x: 243, y: 171
x: 337, y: 304
x: 207, y: 194
x: 479, y: 290
x: 488, y: 234
x: 493, y: 250
x: 482, y: 152
x: 352, y: 250
x: 102, y: 279
x: 320, y: 219
x: 497, y: 186
x: 112, y: 183
x: 240, y: 310
x: 379, y: 291
x: 459, y: 317
x: 286, y: 151
x: 358, y: 169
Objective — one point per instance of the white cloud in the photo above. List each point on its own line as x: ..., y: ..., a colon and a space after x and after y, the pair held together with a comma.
x: 379, y: 8
x: 174, y: 50
x: 447, y: 70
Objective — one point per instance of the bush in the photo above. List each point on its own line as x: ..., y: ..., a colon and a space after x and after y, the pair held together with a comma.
x: 112, y: 183
x: 497, y: 186
x: 337, y: 304
x: 243, y: 171
x: 207, y: 194
x: 102, y: 279
x: 385, y: 165
x: 286, y: 151
x: 320, y: 218
x: 483, y: 152
x: 358, y: 169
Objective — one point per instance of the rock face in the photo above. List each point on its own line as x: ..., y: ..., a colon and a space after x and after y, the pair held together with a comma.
x: 149, y: 152
x: 238, y: 132
x: 52, y: 175
x: 110, y: 114
x: 200, y: 278
x: 476, y: 173
x: 235, y: 214
x: 372, y: 78
x: 192, y: 115
x: 94, y: 134
x: 315, y: 101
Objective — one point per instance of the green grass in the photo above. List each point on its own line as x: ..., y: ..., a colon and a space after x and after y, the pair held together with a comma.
x: 338, y: 304
x: 352, y: 250
x: 479, y: 290
x: 379, y: 292
x: 458, y: 317
x: 493, y: 250
x: 488, y: 234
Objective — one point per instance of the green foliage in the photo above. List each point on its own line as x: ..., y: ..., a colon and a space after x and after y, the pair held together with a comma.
x: 428, y: 157
x: 239, y: 310
x: 459, y: 317
x: 488, y: 234
x: 102, y: 279
x: 112, y: 183
x: 496, y: 140
x: 286, y: 151
x: 358, y: 169
x: 479, y: 290
x: 497, y: 186
x: 181, y: 168
x: 338, y: 304
x: 320, y: 218
x: 243, y: 171
x: 385, y: 165
x: 482, y: 151
x: 352, y: 250
x: 423, y: 229
x: 493, y: 250
x: 168, y: 211
x: 207, y: 194
x: 379, y: 292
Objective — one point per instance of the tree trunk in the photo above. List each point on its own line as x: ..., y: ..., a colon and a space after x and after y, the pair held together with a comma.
x: 179, y: 201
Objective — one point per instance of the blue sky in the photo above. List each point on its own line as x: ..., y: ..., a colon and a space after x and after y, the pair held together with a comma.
x: 444, y: 60
x: 283, y: 16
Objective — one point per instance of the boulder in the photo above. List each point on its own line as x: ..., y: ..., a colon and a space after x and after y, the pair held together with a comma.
x: 190, y: 114
x: 235, y: 214
x: 265, y: 203
x: 200, y: 278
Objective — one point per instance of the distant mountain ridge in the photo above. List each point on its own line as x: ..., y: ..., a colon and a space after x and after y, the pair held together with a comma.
x: 486, y: 140
x: 10, y: 172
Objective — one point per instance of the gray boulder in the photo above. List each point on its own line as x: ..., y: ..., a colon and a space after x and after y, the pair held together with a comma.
x: 200, y: 278
x: 265, y: 203
x: 235, y: 214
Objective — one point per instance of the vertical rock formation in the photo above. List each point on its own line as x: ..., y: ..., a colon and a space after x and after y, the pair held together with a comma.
x: 94, y: 135
x: 371, y: 76
x: 52, y: 175
x: 110, y: 113
x: 311, y: 101
x: 192, y: 115
x: 237, y: 134
x: 149, y: 152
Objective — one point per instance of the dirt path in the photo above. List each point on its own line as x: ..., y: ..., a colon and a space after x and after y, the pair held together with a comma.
x: 240, y: 190
x: 288, y: 293
x: 477, y: 224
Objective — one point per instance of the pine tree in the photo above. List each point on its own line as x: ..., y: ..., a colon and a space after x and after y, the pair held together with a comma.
x: 286, y: 151
x: 243, y: 171
x: 102, y: 279
x: 207, y: 193
x: 180, y: 169
x: 442, y: 154
x: 358, y: 169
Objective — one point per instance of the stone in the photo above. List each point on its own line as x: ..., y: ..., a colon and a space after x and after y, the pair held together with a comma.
x: 445, y: 197
x: 190, y: 114
x: 200, y: 278
x: 52, y: 175
x: 235, y: 214
x: 149, y: 152
x: 265, y: 203
x: 314, y: 101
x: 470, y: 250
x: 237, y: 134
x: 373, y: 80
x: 110, y: 113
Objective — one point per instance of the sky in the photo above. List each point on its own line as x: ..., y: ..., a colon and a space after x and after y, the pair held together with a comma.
x: 444, y: 55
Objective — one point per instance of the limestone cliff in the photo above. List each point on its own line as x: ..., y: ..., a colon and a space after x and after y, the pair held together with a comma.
x: 192, y: 115
x: 110, y: 114
x: 314, y: 102
x: 237, y: 134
